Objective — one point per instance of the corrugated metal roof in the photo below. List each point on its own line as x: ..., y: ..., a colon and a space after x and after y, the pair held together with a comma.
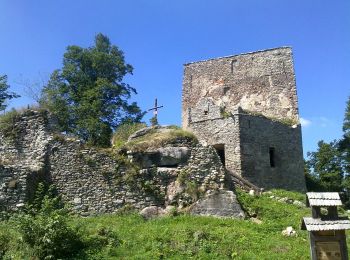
x: 313, y: 224
x: 324, y: 199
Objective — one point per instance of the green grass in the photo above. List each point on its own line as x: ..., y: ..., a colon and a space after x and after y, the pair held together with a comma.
x: 189, y: 237
x: 121, y: 135
x: 158, y: 138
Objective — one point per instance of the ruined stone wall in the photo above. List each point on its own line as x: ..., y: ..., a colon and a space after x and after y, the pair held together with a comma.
x: 261, y: 81
x: 258, y: 135
x: 23, y: 150
x: 94, y: 181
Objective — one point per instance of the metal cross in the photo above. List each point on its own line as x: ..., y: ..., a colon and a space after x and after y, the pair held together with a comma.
x: 155, y: 108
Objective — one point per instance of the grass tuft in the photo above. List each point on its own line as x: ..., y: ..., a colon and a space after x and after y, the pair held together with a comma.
x: 158, y: 138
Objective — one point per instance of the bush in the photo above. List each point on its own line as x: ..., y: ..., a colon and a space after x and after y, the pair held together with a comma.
x: 8, y: 124
x: 123, y: 132
x: 45, y: 228
x: 4, y: 244
x: 49, y: 235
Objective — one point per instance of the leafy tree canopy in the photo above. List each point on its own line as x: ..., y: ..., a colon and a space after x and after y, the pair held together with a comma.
x: 328, y: 169
x: 346, y: 125
x: 344, y: 144
x: 4, y: 94
x: 88, y: 95
x: 326, y: 166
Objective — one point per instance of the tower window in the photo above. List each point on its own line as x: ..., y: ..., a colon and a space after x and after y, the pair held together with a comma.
x: 233, y: 62
x: 272, y: 157
x: 220, y: 149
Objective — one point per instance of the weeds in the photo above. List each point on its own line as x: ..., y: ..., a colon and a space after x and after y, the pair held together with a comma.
x: 121, y: 135
x: 156, y: 139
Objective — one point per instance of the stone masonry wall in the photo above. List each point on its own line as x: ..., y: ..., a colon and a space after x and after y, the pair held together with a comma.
x: 247, y: 139
x: 261, y: 81
x: 22, y: 159
x: 213, y: 128
x: 246, y: 105
x: 258, y: 135
x: 94, y: 181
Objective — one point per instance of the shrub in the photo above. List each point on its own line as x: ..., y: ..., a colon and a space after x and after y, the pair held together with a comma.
x: 45, y: 227
x: 123, y: 132
x: 8, y: 124
x: 4, y: 244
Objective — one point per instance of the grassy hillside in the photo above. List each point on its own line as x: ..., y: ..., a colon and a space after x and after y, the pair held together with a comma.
x: 185, y: 237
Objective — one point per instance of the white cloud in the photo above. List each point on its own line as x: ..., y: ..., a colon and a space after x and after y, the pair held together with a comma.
x: 304, y: 122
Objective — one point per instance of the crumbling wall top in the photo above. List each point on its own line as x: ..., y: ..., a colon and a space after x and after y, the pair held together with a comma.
x: 261, y: 82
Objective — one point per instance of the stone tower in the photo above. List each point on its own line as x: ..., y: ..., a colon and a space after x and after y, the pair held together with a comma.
x: 246, y: 107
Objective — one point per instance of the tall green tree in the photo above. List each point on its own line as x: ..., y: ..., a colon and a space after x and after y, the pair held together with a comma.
x: 344, y: 144
x: 344, y: 148
x: 325, y: 166
x: 88, y: 95
x: 4, y: 93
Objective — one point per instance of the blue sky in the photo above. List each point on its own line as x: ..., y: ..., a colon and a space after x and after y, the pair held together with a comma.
x: 159, y: 36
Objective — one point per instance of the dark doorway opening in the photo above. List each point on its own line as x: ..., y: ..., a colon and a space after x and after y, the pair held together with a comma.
x: 272, y: 157
x: 220, y: 149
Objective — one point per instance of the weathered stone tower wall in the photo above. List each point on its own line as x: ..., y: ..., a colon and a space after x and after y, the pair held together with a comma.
x: 271, y: 153
x: 261, y: 81
x: 246, y: 107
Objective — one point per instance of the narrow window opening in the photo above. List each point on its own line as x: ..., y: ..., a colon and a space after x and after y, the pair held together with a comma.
x: 220, y: 150
x: 233, y: 62
x: 248, y: 123
x: 272, y: 157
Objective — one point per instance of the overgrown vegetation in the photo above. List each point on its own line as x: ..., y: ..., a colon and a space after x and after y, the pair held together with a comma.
x: 43, y: 227
x: 9, y: 120
x: 158, y: 138
x: 122, y: 133
x: 45, y: 230
x: 8, y: 124
x: 129, y: 236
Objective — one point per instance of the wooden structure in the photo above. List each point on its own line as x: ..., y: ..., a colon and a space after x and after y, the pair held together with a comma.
x: 326, y: 228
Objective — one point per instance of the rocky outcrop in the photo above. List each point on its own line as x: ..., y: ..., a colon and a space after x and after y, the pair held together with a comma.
x: 220, y: 203
x: 161, y: 157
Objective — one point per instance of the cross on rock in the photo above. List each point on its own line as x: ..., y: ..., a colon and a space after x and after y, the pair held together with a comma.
x: 155, y: 108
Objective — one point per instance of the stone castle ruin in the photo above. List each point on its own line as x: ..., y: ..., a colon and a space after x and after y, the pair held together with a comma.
x: 246, y: 107
x: 242, y: 110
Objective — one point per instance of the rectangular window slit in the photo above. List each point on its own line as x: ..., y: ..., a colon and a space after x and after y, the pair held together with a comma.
x: 272, y: 157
